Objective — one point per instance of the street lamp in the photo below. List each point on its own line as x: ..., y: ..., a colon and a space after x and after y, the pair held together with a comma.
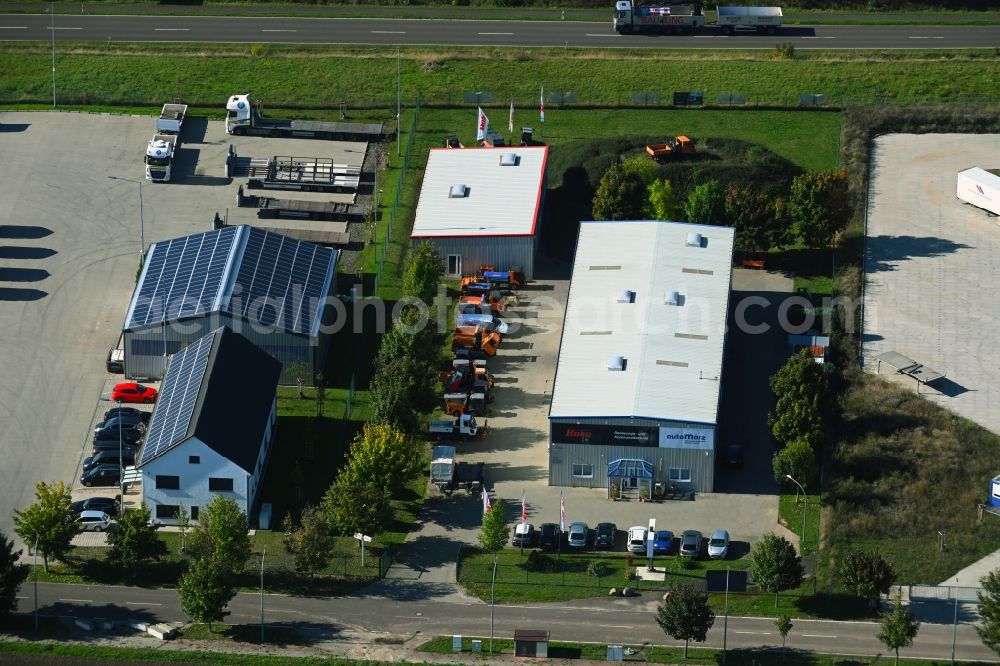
x: 262, y: 553
x: 142, y: 232
x: 805, y: 504
x: 34, y: 568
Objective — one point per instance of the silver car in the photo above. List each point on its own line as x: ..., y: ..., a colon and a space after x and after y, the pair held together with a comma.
x: 578, y: 535
x: 690, y: 543
x: 718, y: 544
x: 93, y: 521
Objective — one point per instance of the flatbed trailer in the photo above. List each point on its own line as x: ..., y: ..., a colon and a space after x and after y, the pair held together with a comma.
x: 304, y: 174
x: 243, y: 116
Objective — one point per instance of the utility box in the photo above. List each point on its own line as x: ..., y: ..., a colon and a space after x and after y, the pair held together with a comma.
x: 994, y: 499
x: 531, y: 643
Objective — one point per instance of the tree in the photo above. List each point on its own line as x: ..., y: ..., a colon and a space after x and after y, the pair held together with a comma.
x: 399, y: 389
x: 205, y: 590
x: 821, y: 205
x: 899, y: 628
x: 803, y: 401
x: 382, y: 454
x: 494, y: 533
x: 48, y: 520
x: 423, y: 273
x: 222, y: 535
x: 183, y: 521
x: 354, y: 504
x: 621, y: 192
x: 752, y: 214
x: 133, y: 540
x: 12, y: 575
x: 989, y: 610
x: 706, y: 204
x: 311, y: 541
x: 801, y: 376
x: 867, y: 574
x: 662, y: 202
x: 798, y: 460
x: 775, y: 565
x: 685, y: 614
x: 784, y: 625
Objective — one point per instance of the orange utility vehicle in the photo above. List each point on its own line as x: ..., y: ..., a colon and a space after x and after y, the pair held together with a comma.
x: 674, y: 147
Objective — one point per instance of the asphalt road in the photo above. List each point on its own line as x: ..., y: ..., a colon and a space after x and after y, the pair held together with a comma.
x: 402, y: 610
x: 21, y: 27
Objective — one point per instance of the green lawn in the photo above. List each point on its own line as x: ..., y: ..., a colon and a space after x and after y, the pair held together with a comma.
x: 790, y: 511
x: 205, y: 74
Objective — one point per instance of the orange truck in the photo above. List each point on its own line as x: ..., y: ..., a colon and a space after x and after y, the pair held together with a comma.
x: 475, y: 339
x: 674, y: 147
x: 493, y: 300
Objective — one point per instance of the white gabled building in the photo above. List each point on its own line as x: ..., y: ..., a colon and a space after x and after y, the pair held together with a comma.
x: 638, y: 379
x: 211, y: 430
x: 482, y: 206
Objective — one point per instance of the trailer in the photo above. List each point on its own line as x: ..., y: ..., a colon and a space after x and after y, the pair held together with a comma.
x: 980, y: 188
x: 662, y: 17
x: 171, y: 119
x: 304, y: 174
x: 752, y: 19
x: 443, y: 467
x: 159, y: 159
x: 243, y: 116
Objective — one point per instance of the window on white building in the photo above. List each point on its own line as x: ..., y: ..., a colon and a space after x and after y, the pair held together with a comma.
x: 167, y: 511
x: 680, y: 474
x: 168, y: 482
x: 220, y: 485
x: 582, y: 471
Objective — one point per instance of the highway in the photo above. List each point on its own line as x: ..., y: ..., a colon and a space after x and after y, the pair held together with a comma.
x: 404, y: 609
x: 434, y: 32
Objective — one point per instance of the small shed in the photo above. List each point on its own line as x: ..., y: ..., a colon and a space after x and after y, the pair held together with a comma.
x: 531, y: 643
x: 994, y: 499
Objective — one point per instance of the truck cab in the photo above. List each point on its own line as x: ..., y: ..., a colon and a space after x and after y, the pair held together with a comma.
x: 159, y: 158
x: 239, y: 112
x: 623, y: 16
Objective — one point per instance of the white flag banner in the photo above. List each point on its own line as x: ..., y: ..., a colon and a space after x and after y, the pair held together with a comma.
x: 510, y: 118
x: 541, y: 105
x: 483, y: 125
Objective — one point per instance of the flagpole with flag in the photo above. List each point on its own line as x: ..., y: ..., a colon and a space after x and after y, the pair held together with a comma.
x: 487, y: 506
x: 482, y: 125
x: 562, y: 522
x: 524, y: 515
x: 510, y: 118
x: 541, y: 108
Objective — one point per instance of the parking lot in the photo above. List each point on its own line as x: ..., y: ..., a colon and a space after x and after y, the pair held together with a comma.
x: 69, y: 253
x: 930, y: 265
x: 516, y: 451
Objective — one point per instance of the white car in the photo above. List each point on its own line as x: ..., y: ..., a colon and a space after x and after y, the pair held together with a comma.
x: 637, y: 539
x: 93, y: 521
x: 718, y: 545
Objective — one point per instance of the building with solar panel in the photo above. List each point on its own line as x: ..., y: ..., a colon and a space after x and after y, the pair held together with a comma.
x: 272, y: 289
x: 211, y: 430
x: 482, y: 207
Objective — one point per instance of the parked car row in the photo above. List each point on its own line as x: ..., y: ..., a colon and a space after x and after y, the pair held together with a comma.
x: 549, y: 537
x: 94, y: 514
x: 117, y: 439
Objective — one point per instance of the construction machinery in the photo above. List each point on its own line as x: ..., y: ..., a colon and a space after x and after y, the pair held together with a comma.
x: 489, y: 278
x: 456, y: 404
x: 493, y: 300
x: 674, y: 147
x: 466, y: 375
x: 475, y: 338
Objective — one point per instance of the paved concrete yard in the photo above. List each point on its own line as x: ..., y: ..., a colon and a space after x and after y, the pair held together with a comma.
x: 516, y: 454
x: 69, y: 251
x: 931, y: 264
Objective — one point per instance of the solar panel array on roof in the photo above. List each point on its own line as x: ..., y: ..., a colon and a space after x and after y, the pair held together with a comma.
x: 251, y: 273
x: 281, y: 281
x: 178, y: 395
x: 182, y: 277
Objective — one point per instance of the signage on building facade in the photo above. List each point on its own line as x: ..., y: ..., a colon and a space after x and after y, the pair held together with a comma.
x: 625, y: 435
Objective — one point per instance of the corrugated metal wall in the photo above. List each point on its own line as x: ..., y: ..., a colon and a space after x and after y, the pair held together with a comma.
x: 500, y: 251
x: 562, y: 457
x: 147, y: 349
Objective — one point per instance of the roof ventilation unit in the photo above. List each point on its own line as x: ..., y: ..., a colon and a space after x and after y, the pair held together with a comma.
x: 458, y: 192
x: 508, y: 159
x: 694, y: 239
x: 616, y: 363
x: 672, y: 298
x: 626, y: 296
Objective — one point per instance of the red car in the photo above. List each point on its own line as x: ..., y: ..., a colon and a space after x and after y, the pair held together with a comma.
x: 132, y: 392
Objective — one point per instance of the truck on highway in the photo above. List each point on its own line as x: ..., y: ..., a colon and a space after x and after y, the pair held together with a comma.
x: 754, y: 19
x: 162, y: 148
x: 305, y: 174
x: 687, y: 16
x: 663, y: 17
x: 243, y: 116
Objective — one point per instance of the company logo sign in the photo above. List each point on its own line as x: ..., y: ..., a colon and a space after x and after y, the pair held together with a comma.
x: 687, y: 438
